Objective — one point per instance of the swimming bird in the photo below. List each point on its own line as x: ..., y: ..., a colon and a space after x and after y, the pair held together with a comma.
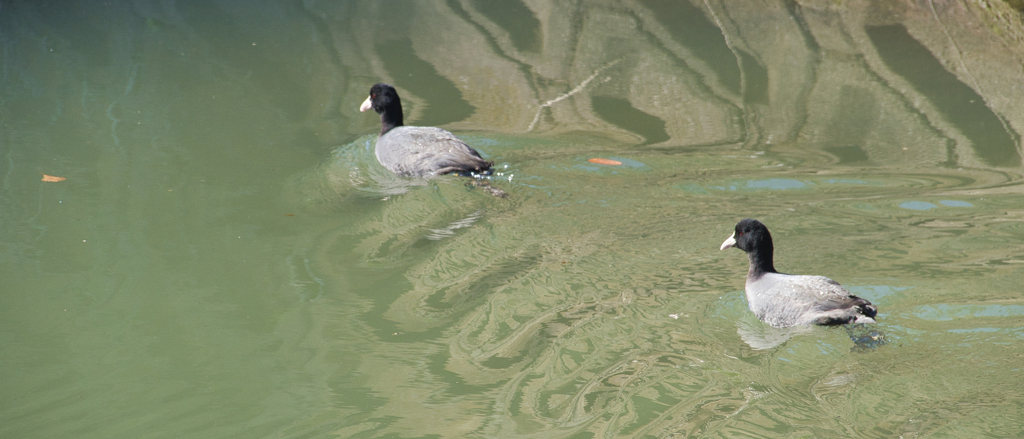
x: 784, y: 300
x: 417, y: 151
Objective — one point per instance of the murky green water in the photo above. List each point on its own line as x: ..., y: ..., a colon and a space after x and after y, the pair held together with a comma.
x: 226, y: 258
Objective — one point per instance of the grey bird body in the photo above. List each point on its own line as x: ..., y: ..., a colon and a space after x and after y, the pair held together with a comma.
x: 425, y: 152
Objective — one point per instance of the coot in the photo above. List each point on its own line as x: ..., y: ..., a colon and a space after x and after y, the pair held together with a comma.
x: 784, y: 300
x: 417, y: 151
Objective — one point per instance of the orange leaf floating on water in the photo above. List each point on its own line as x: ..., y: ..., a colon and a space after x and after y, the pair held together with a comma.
x: 608, y: 162
x: 52, y: 179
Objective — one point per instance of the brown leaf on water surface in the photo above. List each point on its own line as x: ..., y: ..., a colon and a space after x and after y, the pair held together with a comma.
x: 52, y: 179
x: 602, y: 161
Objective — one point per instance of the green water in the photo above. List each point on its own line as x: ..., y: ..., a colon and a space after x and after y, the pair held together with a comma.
x: 227, y: 259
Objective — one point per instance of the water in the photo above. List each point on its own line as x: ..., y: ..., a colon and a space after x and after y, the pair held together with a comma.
x: 226, y: 259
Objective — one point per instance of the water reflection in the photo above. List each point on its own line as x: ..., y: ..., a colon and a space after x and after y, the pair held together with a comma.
x: 226, y: 257
x: 989, y: 135
x: 620, y: 113
x: 513, y: 17
x: 419, y: 76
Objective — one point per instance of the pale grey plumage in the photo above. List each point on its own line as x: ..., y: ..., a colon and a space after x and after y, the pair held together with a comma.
x: 426, y: 151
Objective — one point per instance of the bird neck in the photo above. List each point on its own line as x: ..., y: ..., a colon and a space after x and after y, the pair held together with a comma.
x: 761, y: 261
x: 390, y: 118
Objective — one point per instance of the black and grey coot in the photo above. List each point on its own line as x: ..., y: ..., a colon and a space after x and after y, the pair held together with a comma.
x: 784, y: 300
x: 417, y: 151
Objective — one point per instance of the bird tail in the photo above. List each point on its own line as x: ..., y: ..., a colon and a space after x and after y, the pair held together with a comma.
x: 865, y: 307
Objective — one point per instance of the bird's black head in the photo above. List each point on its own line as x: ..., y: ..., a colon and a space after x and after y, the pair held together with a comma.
x: 751, y: 234
x: 384, y: 100
x: 752, y: 237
